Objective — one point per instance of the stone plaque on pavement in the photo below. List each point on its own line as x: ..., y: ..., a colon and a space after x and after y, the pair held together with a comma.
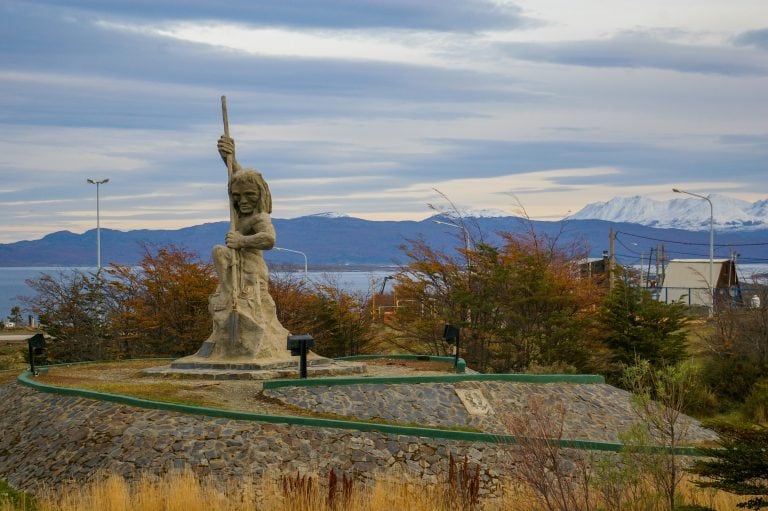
x: 474, y: 401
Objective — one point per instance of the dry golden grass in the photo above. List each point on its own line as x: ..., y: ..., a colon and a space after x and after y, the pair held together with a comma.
x: 124, y: 378
x: 163, y: 392
x: 6, y: 376
x: 168, y: 392
x: 12, y: 356
x: 184, y: 491
x: 418, y: 365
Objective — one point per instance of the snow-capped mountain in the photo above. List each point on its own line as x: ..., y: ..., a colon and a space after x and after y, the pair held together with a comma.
x: 328, y: 214
x: 687, y: 213
x: 487, y: 213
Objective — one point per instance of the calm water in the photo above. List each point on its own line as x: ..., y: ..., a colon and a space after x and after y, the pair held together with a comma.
x: 13, y: 282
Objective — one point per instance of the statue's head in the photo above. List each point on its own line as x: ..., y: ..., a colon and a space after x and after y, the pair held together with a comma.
x: 249, y: 193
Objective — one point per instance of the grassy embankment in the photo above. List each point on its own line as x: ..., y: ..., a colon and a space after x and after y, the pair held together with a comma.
x: 187, y: 492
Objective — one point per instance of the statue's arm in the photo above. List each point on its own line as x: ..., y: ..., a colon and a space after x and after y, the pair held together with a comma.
x: 263, y: 240
x: 259, y: 235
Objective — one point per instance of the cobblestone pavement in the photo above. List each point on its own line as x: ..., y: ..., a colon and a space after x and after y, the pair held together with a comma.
x: 595, y: 412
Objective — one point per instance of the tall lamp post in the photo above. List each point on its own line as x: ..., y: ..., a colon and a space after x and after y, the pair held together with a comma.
x: 469, y: 263
x: 98, y: 222
x: 457, y: 226
x: 306, y: 265
x: 713, y: 285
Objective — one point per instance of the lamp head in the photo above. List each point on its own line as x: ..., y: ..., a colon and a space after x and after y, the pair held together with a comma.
x: 676, y: 190
x: 91, y: 181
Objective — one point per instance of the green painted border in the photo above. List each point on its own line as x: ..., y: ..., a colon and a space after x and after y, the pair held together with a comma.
x: 448, y: 378
x: 461, y: 367
x: 26, y: 379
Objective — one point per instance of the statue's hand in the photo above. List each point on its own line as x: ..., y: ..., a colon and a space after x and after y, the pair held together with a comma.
x: 226, y: 146
x: 235, y: 240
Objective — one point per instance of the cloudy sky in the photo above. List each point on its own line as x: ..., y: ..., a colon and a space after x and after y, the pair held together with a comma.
x: 364, y: 107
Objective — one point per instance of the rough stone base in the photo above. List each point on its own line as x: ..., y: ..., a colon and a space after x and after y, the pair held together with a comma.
x: 47, y: 439
x: 255, y: 370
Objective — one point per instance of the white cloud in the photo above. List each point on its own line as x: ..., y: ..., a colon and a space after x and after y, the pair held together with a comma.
x: 401, y: 46
x: 368, y: 121
x: 705, y: 21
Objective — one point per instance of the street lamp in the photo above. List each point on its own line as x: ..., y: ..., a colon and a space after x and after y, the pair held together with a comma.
x: 457, y: 226
x: 306, y: 266
x: 713, y: 285
x: 98, y: 222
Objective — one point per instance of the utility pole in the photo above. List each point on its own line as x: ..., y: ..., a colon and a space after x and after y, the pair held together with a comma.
x: 373, y: 298
x: 611, y: 259
x: 648, y: 273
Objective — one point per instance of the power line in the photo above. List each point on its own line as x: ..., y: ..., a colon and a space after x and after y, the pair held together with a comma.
x: 623, y: 245
x: 693, y: 243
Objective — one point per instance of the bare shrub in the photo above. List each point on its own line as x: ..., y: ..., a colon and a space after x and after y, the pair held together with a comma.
x: 463, y: 485
x: 339, y: 490
x: 560, y: 478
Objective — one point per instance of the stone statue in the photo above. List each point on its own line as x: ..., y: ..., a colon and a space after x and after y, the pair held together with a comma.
x: 245, y: 325
x: 247, y: 341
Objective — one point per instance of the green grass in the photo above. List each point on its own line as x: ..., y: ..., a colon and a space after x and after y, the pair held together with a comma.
x: 13, y: 499
x: 12, y: 356
x: 698, y: 330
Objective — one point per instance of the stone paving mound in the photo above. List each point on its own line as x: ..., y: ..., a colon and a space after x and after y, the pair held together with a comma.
x: 592, y: 412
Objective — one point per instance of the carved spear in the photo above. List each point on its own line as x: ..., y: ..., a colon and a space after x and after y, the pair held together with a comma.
x: 232, y: 228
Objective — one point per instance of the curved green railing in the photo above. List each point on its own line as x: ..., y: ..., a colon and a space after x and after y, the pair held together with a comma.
x: 448, y: 378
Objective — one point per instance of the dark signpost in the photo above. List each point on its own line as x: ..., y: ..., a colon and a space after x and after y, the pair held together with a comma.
x: 36, y: 347
x: 299, y: 346
x: 451, y: 336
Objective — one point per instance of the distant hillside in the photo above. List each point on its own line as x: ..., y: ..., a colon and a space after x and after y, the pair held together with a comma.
x: 345, y: 241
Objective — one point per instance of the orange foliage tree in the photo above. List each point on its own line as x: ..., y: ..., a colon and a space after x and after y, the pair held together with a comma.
x: 160, y: 307
x: 339, y: 320
x: 521, y: 305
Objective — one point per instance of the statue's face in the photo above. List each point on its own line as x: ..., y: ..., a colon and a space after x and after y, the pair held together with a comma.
x: 245, y: 198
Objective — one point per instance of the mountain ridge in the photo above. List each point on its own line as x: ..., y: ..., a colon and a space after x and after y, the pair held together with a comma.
x: 349, y: 241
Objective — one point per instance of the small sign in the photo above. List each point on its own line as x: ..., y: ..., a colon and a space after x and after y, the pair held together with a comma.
x: 474, y: 401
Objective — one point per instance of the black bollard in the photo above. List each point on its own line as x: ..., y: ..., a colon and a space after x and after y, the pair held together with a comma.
x: 451, y: 336
x: 36, y: 347
x: 299, y: 346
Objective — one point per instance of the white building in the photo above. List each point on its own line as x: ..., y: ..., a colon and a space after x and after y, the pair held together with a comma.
x: 687, y: 281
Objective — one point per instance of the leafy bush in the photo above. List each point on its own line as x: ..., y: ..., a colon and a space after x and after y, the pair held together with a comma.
x: 739, y: 465
x: 756, y: 404
x: 637, y: 326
